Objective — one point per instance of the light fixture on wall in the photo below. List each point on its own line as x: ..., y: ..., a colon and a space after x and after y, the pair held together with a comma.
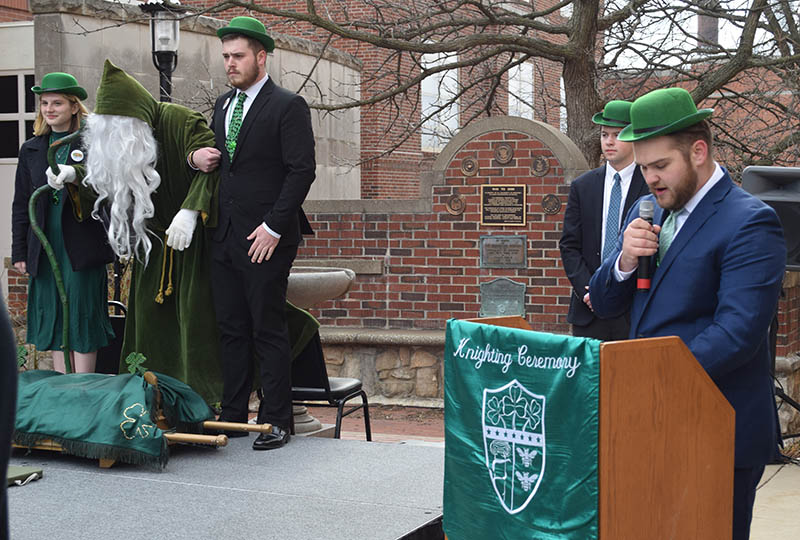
x: 164, y: 38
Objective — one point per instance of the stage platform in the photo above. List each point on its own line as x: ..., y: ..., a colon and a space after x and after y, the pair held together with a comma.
x: 314, y: 489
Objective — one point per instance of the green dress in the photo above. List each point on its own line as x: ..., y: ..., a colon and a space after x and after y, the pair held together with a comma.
x: 87, y: 291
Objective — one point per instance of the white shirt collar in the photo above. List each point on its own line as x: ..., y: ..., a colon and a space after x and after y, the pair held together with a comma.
x: 626, y: 174
x: 253, y: 90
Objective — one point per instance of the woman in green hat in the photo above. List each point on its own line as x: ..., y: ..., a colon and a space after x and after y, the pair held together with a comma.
x: 79, y: 242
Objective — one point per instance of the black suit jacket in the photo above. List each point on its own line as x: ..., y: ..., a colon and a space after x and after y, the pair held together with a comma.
x: 85, y: 240
x: 581, y: 236
x: 273, y: 166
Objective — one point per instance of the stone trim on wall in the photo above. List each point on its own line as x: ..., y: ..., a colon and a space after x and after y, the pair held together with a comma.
x: 571, y: 158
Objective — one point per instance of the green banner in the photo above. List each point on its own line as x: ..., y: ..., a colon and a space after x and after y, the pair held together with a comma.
x: 521, y: 413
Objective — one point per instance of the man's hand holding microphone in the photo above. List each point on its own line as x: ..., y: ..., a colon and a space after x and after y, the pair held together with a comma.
x: 639, y: 243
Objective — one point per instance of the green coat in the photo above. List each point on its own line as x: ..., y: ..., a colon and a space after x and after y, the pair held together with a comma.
x: 170, y: 313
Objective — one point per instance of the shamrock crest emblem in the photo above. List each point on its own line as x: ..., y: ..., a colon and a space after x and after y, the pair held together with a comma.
x: 135, y: 424
x: 514, y: 443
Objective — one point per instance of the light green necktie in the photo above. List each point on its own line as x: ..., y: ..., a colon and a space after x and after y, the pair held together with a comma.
x: 667, y: 234
x: 236, y: 123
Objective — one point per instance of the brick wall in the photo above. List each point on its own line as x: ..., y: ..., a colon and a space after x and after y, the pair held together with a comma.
x: 10, y: 13
x: 431, y: 259
x: 432, y: 268
x: 17, y: 300
x: 789, y: 316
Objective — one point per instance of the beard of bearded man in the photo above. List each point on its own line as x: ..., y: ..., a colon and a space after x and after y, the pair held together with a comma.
x: 122, y: 154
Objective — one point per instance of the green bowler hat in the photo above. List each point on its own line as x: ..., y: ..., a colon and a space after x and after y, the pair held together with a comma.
x: 616, y: 113
x: 662, y: 112
x: 250, y: 27
x: 60, y: 83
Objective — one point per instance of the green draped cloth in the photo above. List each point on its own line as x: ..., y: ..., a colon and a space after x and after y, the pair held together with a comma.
x: 521, y: 436
x: 104, y: 416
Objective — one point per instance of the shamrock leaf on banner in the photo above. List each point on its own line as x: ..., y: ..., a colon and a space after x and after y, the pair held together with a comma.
x: 533, y: 415
x: 514, y: 406
x: 132, y: 427
x: 493, y: 413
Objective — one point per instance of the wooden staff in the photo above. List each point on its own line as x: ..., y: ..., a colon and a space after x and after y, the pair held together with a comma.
x: 212, y: 440
x: 237, y: 426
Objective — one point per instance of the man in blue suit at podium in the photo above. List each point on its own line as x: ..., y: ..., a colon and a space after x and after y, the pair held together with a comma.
x: 719, y: 258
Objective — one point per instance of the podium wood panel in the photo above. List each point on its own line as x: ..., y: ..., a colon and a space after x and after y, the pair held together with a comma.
x: 666, y: 445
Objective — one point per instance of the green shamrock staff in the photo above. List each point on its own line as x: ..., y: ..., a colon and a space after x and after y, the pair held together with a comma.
x: 62, y: 292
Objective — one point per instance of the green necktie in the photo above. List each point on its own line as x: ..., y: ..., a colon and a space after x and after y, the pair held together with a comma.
x: 236, y: 123
x: 667, y: 234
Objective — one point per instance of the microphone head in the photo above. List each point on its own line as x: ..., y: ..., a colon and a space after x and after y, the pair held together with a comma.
x: 647, y: 210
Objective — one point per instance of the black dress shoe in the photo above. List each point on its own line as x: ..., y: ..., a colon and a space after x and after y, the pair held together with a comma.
x: 270, y: 441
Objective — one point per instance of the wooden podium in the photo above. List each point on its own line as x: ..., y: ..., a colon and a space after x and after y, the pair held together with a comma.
x: 666, y: 443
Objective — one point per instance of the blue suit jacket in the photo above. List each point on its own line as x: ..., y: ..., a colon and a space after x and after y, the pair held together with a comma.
x: 581, y: 234
x: 717, y: 289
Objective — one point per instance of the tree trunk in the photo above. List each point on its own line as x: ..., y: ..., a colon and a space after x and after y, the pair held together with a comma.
x: 582, y: 102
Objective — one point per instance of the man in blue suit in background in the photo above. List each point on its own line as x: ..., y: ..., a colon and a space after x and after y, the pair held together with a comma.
x: 719, y: 258
x: 598, y: 202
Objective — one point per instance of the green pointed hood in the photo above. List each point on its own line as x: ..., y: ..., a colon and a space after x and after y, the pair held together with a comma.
x: 122, y: 95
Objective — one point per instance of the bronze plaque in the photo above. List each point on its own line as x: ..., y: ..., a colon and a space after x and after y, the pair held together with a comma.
x: 503, y: 153
x: 551, y: 204
x: 469, y: 166
x: 540, y: 166
x: 502, y: 297
x: 504, y: 251
x: 456, y: 204
x: 503, y: 205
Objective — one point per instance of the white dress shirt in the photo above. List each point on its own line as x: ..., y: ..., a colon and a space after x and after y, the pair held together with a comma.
x: 688, y: 208
x: 626, y: 176
x: 251, y: 92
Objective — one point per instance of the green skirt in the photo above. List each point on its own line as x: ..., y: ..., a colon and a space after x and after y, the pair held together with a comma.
x: 87, y: 296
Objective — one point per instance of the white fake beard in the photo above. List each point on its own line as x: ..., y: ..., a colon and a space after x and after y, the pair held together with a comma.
x: 120, y: 167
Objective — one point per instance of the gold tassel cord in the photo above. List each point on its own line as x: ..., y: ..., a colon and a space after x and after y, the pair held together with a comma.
x: 169, y: 275
x: 160, y: 295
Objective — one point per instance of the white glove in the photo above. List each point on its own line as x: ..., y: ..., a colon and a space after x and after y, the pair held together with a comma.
x: 66, y: 174
x: 179, y: 233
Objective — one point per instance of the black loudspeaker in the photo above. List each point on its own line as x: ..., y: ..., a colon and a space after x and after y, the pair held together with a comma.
x: 779, y: 187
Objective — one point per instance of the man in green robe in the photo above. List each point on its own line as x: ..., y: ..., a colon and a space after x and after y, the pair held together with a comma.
x: 139, y: 166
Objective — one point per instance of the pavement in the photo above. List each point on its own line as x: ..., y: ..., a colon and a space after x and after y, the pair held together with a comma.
x: 776, y: 514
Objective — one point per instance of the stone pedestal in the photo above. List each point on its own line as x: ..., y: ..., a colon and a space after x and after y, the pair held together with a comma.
x: 304, y: 422
x: 307, y: 287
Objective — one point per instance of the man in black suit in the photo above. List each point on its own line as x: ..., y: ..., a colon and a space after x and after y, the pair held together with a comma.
x: 598, y: 202
x: 265, y: 152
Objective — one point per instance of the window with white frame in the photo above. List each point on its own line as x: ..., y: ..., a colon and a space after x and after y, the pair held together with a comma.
x: 17, y: 111
x: 439, y: 103
x: 520, y: 91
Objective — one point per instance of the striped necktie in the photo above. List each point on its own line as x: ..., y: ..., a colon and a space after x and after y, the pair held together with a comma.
x: 612, y: 218
x: 235, y: 125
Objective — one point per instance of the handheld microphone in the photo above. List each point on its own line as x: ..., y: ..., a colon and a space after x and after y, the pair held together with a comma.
x: 646, y: 211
